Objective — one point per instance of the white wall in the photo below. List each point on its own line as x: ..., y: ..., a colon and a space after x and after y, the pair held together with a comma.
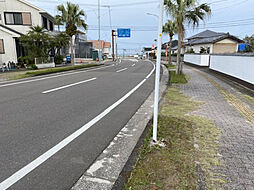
x: 17, y: 6
x: 197, y: 59
x: 197, y: 48
x: 9, y: 47
x: 241, y: 67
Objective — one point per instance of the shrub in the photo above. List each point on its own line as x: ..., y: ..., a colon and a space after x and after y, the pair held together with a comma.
x: 34, y: 67
x: 59, y: 59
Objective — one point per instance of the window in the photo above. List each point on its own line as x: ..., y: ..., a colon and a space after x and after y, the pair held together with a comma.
x: 18, y: 18
x: 13, y: 18
x: 9, y: 19
x: 2, y: 46
x: 51, y: 26
x: 45, y: 22
x: 26, y: 17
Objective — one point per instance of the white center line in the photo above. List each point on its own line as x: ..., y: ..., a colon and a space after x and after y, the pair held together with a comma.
x: 133, y: 65
x: 67, y: 86
x: 121, y: 70
x: 44, y: 157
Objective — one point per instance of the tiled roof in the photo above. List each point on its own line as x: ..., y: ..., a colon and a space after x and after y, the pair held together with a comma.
x: 210, y: 37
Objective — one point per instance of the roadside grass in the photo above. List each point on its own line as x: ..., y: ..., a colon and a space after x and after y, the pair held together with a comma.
x: 178, y: 79
x: 191, y: 143
x: 170, y: 66
x: 49, y: 71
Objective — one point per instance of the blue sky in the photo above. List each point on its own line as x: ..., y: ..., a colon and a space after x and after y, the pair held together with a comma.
x: 231, y: 16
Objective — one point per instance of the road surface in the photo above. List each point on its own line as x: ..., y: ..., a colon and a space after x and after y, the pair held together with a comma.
x: 53, y: 127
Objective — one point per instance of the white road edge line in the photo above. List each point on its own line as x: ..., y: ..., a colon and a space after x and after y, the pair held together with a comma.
x: 121, y: 70
x: 67, y: 86
x: 50, y: 77
x: 44, y: 157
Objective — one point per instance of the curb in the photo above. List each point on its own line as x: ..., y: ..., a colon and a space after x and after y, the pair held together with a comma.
x: 104, y: 172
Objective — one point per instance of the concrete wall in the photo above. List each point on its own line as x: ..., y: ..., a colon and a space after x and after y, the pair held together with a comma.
x: 46, y: 65
x: 241, y: 67
x: 197, y: 59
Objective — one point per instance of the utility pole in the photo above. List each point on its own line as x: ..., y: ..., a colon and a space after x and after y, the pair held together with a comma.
x: 116, y: 52
x: 99, y: 26
x: 157, y: 76
x: 113, y: 44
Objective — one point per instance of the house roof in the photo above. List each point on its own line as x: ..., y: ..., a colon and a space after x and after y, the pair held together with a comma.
x: 205, y: 34
x: 209, y: 36
x: 174, y: 43
x: 31, y: 5
x: 37, y: 8
x: 10, y: 29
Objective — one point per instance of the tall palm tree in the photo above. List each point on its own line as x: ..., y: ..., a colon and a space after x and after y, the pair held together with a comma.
x: 71, y: 16
x: 170, y: 28
x: 185, y: 11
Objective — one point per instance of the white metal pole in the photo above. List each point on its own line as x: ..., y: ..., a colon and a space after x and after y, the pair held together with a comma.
x: 99, y: 24
x: 157, y: 76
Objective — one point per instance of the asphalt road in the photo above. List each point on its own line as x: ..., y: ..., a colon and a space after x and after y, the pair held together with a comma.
x: 38, y: 114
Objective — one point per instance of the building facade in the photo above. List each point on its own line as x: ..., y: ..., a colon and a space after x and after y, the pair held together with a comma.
x: 16, y: 18
x: 105, y: 47
x: 211, y: 42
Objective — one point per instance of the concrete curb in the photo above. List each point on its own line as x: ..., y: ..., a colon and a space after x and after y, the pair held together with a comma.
x: 104, y: 172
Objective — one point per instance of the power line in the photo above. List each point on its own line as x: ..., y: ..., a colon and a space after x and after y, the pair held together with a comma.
x: 105, y: 6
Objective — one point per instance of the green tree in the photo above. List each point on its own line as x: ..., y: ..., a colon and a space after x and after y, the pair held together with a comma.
x: 250, y: 41
x: 71, y: 16
x: 59, y: 41
x: 170, y: 28
x: 185, y: 11
x: 36, y: 42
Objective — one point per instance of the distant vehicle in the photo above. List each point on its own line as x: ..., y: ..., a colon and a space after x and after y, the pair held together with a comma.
x: 110, y: 57
x: 136, y: 56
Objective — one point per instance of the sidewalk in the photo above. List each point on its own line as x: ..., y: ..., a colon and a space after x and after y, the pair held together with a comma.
x: 234, y: 115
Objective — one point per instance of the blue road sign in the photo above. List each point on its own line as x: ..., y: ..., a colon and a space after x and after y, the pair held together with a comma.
x: 123, y: 32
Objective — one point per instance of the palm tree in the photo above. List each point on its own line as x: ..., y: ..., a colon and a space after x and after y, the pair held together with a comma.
x: 171, y: 29
x: 71, y: 16
x: 58, y: 21
x: 185, y: 11
x: 36, y: 42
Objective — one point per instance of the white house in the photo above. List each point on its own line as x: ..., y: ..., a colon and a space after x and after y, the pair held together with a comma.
x: 16, y: 18
x: 213, y: 43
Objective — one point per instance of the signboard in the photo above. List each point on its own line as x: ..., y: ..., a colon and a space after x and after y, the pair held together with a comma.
x: 123, y: 32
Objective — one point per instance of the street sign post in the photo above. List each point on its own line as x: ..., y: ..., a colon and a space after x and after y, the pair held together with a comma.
x: 123, y: 32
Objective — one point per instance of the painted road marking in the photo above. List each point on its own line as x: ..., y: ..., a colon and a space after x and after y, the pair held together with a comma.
x: 133, y: 65
x: 44, y: 157
x: 121, y: 70
x: 50, y: 77
x: 67, y: 86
